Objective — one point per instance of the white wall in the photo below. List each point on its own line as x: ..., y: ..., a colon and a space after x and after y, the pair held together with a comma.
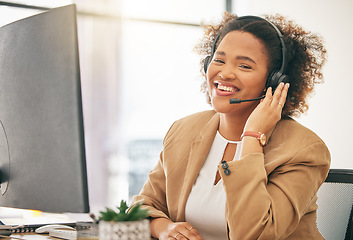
x: 331, y: 111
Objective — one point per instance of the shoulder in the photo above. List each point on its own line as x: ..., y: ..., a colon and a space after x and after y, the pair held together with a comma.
x: 293, y: 146
x: 289, y: 130
x: 290, y: 140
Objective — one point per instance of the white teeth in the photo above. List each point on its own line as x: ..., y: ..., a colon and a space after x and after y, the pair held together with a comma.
x: 225, y: 88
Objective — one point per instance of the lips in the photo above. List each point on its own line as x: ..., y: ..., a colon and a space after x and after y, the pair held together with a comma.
x: 225, y: 89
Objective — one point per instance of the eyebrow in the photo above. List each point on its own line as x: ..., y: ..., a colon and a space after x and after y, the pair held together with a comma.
x: 237, y: 57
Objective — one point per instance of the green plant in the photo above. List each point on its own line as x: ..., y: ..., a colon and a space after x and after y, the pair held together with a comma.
x: 124, y: 214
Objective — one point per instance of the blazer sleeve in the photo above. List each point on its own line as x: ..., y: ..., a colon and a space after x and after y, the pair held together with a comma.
x: 262, y: 206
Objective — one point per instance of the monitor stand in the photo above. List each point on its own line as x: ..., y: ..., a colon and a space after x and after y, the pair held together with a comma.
x: 4, y: 232
x: 4, y: 160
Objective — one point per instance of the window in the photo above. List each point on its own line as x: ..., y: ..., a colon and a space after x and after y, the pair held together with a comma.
x: 160, y: 82
x: 139, y: 74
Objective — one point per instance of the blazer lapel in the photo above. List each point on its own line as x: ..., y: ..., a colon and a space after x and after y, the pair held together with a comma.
x: 198, y: 153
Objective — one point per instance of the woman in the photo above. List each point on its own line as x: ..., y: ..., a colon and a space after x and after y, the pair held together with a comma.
x: 244, y: 170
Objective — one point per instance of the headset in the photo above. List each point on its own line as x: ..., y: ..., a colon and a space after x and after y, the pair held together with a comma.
x: 275, y: 77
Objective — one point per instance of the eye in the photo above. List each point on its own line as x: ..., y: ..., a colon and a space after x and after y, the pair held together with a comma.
x: 245, y: 66
x: 217, y: 60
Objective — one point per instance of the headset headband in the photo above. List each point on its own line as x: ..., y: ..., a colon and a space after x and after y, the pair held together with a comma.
x: 280, y: 37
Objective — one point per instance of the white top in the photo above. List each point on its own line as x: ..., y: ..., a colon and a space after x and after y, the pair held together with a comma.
x: 205, y: 207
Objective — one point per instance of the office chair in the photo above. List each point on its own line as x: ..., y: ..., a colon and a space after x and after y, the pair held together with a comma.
x: 335, y: 205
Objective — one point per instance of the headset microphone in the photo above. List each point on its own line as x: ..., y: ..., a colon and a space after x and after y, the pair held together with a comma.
x: 236, y: 100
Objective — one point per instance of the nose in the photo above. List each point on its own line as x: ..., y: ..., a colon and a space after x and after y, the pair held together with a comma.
x: 227, y: 73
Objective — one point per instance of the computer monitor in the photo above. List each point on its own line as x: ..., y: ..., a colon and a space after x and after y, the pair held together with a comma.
x: 42, y: 150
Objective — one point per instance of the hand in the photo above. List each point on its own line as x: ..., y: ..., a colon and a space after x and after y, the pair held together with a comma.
x: 266, y: 115
x: 165, y: 229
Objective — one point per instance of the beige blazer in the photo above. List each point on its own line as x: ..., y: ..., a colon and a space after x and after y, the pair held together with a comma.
x: 269, y: 196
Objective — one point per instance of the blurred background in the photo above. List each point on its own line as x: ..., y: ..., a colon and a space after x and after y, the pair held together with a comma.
x: 139, y: 74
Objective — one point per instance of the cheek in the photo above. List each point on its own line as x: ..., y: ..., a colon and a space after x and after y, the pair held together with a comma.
x: 257, y: 81
x: 211, y: 74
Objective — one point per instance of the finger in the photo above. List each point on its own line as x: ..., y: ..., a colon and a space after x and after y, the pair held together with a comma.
x: 177, y: 235
x: 282, y: 99
x: 196, y: 233
x: 277, y: 95
x: 278, y: 92
x: 191, y: 233
x: 268, y: 96
x: 180, y: 236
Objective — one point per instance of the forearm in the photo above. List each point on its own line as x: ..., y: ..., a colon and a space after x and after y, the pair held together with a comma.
x: 247, y: 198
x: 272, y: 206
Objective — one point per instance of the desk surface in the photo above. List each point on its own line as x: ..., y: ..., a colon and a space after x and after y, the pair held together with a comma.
x: 36, y: 236
x: 30, y: 236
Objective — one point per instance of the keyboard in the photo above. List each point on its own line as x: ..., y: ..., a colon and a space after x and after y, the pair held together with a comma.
x: 63, y: 234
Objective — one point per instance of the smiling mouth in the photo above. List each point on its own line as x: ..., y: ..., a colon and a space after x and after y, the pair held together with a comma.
x: 225, y: 88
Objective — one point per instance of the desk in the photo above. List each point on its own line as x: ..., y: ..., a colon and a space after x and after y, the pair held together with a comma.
x: 30, y: 236
x: 35, y: 236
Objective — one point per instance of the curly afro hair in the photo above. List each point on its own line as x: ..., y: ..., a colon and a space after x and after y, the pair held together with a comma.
x: 305, y: 55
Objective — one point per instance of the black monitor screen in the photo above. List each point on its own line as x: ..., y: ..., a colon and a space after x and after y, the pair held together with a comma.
x: 42, y: 153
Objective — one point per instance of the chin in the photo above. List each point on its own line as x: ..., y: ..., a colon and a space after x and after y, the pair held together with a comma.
x: 222, y: 106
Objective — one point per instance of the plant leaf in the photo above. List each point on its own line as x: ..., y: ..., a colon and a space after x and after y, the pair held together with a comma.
x: 137, y: 213
x: 123, y: 207
x: 125, y: 214
x: 141, y: 214
x: 108, y: 215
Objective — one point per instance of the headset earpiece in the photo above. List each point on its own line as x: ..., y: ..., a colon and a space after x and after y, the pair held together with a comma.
x: 208, y: 59
x: 275, y: 78
x: 206, y: 63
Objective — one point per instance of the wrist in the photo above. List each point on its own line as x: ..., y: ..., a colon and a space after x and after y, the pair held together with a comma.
x: 159, y: 226
x: 261, y: 137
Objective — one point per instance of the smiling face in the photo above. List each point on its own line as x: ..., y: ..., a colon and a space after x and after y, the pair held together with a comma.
x: 238, y: 70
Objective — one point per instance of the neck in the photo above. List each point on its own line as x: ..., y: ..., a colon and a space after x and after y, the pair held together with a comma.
x: 231, y: 125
